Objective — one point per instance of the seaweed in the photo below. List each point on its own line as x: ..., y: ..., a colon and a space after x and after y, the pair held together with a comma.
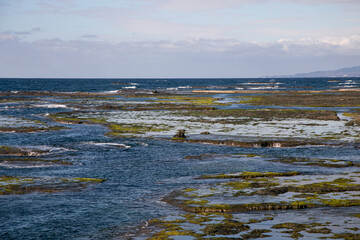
x: 10, y: 185
x: 250, y: 175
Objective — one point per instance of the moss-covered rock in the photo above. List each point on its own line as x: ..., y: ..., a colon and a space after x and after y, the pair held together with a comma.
x: 10, y: 185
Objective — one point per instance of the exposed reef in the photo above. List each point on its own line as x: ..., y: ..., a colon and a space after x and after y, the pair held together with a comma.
x: 261, y: 143
x: 31, y: 129
x: 330, y: 163
x: 14, y: 151
x: 226, y: 209
x: 308, y: 99
x: 10, y: 185
x: 23, y: 125
x: 249, y: 226
x: 267, y: 114
x: 281, y: 191
x: 30, y: 162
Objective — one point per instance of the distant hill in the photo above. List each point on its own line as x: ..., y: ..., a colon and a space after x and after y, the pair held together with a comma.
x: 343, y: 72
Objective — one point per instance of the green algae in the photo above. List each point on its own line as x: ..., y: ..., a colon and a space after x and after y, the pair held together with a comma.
x: 226, y: 227
x: 307, y: 99
x: 206, y: 156
x: 32, y: 129
x: 164, y: 234
x: 250, y: 175
x: 189, y: 190
x: 246, y: 115
x: 92, y: 180
x: 197, y: 218
x: 251, y: 144
x: 346, y: 236
x: 194, y: 100
x: 10, y: 185
x: 296, y: 228
x: 320, y: 230
x: 15, y: 151
x: 115, y: 128
x: 243, y: 185
x: 196, y: 202
x: 126, y: 129
x: 253, y: 184
x: 256, y: 234
x: 73, y: 118
x: 32, y: 161
x: 330, y: 163
x: 219, y: 225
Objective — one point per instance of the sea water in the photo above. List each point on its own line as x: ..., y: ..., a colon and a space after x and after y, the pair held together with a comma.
x: 139, y: 174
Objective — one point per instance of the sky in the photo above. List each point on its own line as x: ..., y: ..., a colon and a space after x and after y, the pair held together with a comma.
x: 176, y: 38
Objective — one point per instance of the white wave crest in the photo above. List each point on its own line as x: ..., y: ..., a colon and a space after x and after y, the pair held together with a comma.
x: 130, y: 87
x: 185, y: 87
x: 119, y: 145
x: 50, y: 105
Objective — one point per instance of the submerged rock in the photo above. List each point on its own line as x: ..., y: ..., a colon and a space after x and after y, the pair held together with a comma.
x: 10, y: 185
x: 205, y: 133
x: 180, y: 134
x: 14, y: 151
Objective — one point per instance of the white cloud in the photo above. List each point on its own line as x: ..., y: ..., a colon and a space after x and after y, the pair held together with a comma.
x: 201, y: 5
x: 170, y: 30
x: 6, y: 36
x: 186, y: 58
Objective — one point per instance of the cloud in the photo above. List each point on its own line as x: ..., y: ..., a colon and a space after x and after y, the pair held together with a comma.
x: 17, y: 35
x: 186, y: 58
x: 200, y: 5
x: 171, y: 30
x: 6, y: 36
x: 89, y: 36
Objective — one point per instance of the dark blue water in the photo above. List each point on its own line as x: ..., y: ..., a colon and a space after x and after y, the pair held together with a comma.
x: 138, y: 177
x: 97, y: 85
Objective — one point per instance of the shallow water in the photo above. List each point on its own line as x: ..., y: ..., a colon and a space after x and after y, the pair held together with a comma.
x: 139, y: 171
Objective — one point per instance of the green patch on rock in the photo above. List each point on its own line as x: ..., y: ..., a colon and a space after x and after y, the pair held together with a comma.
x: 265, y: 114
x: 295, y: 228
x: 129, y: 129
x: 276, y: 188
x: 226, y: 227
x: 15, y: 151
x: 193, y: 100
x: 32, y: 162
x: 10, y: 185
x: 250, y: 175
x: 330, y: 163
x: 31, y: 129
x: 308, y: 99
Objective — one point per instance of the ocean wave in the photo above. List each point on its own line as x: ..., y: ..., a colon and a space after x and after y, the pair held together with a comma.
x: 261, y: 83
x: 143, y: 144
x: 48, y: 150
x: 172, y: 89
x: 130, y: 87
x: 264, y: 88
x: 110, y: 92
x: 50, y: 105
x: 119, y: 145
x: 184, y: 87
x: 350, y: 86
x: 10, y: 166
x: 349, y: 83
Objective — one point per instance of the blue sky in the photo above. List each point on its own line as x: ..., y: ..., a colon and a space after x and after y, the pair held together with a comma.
x: 176, y: 38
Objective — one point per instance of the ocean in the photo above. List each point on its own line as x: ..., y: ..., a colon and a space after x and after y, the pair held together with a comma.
x: 139, y: 170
